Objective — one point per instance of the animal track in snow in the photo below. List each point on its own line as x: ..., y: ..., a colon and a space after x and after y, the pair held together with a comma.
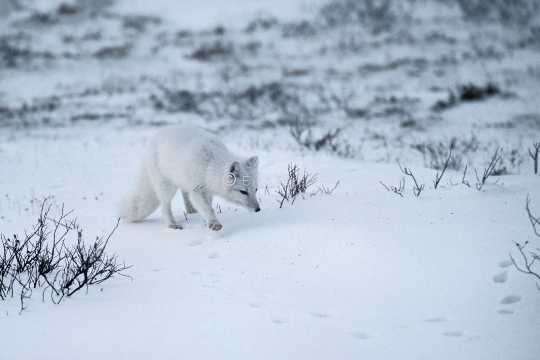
x: 505, y: 263
x: 506, y: 312
x: 456, y: 333
x: 364, y: 335
x: 280, y: 319
x: 196, y: 242
x: 501, y: 277
x: 323, y: 314
x: 510, y: 299
x: 437, y: 319
x: 214, y: 255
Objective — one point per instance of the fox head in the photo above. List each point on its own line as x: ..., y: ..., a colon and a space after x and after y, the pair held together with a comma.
x: 241, y: 183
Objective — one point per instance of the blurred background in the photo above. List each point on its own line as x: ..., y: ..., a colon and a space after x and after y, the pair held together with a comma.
x: 373, y: 80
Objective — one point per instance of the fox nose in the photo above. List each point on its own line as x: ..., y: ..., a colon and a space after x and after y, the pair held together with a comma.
x: 257, y: 209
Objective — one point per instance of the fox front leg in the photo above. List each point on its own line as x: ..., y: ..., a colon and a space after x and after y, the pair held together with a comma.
x: 200, y: 202
x: 190, y: 209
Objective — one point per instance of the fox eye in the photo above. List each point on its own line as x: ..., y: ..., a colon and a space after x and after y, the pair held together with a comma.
x: 243, y: 192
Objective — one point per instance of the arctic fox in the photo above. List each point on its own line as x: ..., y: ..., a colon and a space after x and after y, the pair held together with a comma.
x: 196, y: 162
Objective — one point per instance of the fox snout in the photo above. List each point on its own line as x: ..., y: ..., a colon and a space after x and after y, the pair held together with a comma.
x: 258, y: 209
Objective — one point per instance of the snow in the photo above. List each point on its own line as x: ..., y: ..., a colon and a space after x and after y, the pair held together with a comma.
x: 359, y: 273
x: 205, y: 14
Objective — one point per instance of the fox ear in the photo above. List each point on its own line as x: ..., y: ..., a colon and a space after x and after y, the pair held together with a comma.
x: 235, y: 168
x: 252, y: 162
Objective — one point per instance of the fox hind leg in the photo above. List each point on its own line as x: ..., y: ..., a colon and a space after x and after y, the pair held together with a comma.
x: 166, y: 210
x: 165, y: 191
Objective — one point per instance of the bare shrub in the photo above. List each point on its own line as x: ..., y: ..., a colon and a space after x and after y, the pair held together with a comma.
x: 508, y: 12
x: 67, y: 9
x: 435, y: 152
x: 450, y: 102
x: 113, y: 52
x: 84, y: 266
x: 529, y: 260
x: 397, y: 190
x: 300, y: 29
x: 303, y: 134
x: 417, y: 189
x: 42, y: 259
x: 273, y: 92
x: 377, y: 15
x: 261, y: 23
x: 177, y: 101
x: 213, y: 51
x: 139, y: 23
x: 296, y: 184
x: 488, y: 171
x: 470, y: 92
x: 509, y: 162
x: 473, y: 92
x: 14, y: 49
x: 250, y: 103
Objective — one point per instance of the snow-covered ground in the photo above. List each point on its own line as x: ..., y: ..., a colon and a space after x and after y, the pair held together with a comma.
x: 361, y: 273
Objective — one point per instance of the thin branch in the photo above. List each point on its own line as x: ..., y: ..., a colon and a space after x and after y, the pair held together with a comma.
x: 437, y: 177
x: 417, y: 189
x: 489, y: 170
x: 534, y: 155
x: 396, y: 190
x: 463, y: 181
x: 528, y: 261
x: 325, y: 190
x: 534, y: 221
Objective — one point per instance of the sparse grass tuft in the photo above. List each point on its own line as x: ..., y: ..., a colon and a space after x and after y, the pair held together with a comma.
x: 325, y: 190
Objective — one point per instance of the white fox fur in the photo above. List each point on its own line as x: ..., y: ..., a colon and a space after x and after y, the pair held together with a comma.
x: 196, y: 162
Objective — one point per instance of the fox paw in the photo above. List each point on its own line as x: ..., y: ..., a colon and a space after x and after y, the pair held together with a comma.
x: 175, y: 226
x: 214, y: 225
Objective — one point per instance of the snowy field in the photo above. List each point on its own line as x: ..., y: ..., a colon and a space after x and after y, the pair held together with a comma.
x: 361, y: 273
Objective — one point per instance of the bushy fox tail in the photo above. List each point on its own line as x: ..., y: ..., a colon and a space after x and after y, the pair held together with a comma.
x: 141, y: 201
